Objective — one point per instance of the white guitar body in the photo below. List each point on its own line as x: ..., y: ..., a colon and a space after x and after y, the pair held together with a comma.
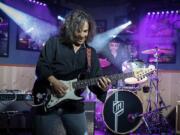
x: 70, y: 94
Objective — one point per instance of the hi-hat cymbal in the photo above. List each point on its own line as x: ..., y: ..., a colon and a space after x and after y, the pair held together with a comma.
x: 159, y: 51
x: 159, y: 59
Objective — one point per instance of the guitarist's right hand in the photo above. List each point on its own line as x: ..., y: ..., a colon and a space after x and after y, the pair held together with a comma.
x: 59, y: 87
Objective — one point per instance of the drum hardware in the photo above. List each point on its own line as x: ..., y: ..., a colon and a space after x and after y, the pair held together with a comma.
x: 157, y: 50
x: 152, y: 118
x: 129, y: 66
x: 146, y: 89
x: 154, y: 80
x: 151, y: 123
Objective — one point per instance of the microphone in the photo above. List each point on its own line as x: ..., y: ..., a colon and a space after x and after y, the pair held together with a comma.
x: 132, y: 117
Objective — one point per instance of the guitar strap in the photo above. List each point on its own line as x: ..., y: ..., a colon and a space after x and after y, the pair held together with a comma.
x: 88, y: 52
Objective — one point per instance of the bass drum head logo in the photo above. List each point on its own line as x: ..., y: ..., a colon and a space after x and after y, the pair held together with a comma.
x: 118, y: 107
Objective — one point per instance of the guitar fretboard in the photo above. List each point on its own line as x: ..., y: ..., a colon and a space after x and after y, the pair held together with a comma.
x: 89, y: 82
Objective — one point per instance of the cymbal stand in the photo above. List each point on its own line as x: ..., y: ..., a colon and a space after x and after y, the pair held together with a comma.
x: 154, y: 119
x: 156, y: 83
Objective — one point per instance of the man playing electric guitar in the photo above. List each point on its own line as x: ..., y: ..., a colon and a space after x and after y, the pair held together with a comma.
x: 62, y: 59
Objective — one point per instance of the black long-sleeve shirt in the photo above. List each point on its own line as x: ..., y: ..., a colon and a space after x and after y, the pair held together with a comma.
x: 61, y: 61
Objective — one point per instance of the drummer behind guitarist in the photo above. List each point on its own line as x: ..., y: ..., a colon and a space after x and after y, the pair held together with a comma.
x: 63, y: 58
x: 115, y: 54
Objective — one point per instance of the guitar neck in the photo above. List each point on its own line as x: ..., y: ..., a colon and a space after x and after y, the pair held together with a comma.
x: 93, y: 81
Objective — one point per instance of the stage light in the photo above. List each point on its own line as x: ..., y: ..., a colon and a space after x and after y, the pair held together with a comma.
x: 37, y: 2
x: 60, y: 18
x: 37, y: 29
x: 167, y: 12
x: 149, y: 13
x: 101, y: 40
x: 114, y: 36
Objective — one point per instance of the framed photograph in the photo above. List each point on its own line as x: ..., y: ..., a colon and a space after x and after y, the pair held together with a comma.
x: 4, y: 36
x: 25, y: 42
x: 160, y: 38
x: 162, y: 27
x: 101, y: 26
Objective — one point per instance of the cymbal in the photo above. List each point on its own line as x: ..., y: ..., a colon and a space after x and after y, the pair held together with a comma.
x: 159, y: 51
x: 104, y: 62
x: 159, y: 60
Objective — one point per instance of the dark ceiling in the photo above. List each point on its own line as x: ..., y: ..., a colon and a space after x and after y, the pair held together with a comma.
x: 134, y: 6
x: 105, y: 3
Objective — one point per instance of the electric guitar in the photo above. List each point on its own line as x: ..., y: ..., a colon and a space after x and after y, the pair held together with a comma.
x: 50, y: 100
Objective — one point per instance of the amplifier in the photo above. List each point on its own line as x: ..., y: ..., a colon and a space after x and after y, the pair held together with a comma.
x: 17, y: 116
x: 178, y: 117
x: 15, y: 95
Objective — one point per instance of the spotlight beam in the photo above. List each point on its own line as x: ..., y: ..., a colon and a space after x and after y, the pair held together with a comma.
x: 102, y: 39
x: 37, y: 29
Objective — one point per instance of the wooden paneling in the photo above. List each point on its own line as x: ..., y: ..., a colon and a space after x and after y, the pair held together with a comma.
x: 23, y: 77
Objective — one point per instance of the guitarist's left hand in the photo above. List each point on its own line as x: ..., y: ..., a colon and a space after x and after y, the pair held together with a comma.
x: 104, y: 83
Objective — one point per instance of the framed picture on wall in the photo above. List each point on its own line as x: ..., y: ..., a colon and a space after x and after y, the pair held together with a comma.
x: 101, y: 26
x: 4, y: 36
x: 25, y: 42
x: 166, y: 53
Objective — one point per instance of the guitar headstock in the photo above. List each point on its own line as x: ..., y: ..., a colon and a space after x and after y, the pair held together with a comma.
x: 141, y: 73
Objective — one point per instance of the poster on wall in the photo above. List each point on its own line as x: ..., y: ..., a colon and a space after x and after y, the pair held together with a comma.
x: 101, y: 26
x: 159, y: 38
x: 4, y: 36
x: 26, y: 42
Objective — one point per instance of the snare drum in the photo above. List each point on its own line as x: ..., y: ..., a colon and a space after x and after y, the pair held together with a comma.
x: 121, y: 112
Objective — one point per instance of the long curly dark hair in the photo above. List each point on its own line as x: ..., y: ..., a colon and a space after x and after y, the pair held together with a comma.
x: 74, y: 22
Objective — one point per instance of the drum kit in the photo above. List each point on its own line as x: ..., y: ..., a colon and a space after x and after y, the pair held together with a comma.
x: 130, y: 107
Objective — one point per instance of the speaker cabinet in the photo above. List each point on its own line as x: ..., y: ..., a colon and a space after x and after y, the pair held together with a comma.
x: 15, y: 116
x: 178, y: 117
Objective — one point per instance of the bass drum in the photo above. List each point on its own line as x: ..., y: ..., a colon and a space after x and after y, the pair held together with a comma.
x: 121, y: 112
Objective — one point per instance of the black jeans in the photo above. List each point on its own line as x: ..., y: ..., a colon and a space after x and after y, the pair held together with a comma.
x: 60, y: 123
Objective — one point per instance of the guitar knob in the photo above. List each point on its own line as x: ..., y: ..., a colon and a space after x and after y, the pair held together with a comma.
x: 39, y: 96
